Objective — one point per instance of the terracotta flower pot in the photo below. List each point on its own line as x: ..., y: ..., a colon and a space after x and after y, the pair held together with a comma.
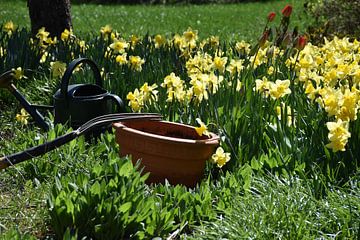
x: 167, y: 150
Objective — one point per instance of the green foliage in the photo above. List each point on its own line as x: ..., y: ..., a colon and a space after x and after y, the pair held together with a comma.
x: 334, y: 18
x: 15, y: 234
x: 276, y: 208
x: 113, y: 202
x: 107, y: 202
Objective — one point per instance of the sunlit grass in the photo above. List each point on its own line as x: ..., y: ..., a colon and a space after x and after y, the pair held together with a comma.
x: 234, y: 21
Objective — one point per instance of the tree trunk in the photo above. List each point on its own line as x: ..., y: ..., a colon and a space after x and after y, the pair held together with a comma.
x: 54, y: 15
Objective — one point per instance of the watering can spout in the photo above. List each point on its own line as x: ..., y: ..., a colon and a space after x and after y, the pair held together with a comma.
x: 6, y: 80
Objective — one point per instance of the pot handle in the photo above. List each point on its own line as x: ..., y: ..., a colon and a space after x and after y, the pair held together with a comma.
x: 117, y: 100
x: 69, y: 70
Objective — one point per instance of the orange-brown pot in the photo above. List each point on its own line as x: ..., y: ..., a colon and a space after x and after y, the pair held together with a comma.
x: 167, y: 150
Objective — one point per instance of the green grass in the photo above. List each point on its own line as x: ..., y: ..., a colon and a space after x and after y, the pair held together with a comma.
x: 278, y: 209
x: 234, y: 21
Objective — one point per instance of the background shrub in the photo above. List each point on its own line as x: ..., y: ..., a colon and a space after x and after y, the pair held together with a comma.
x: 334, y: 18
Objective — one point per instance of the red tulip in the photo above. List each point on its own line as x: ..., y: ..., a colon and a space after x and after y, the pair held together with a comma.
x: 271, y: 16
x: 286, y: 12
x: 301, y: 42
x: 264, y: 37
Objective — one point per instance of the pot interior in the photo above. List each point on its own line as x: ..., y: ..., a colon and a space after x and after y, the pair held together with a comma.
x: 89, y: 90
x: 168, y: 129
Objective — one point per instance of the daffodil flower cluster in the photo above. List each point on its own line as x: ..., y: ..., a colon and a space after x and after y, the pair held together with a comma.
x: 220, y: 157
x: 330, y: 75
x: 175, y: 88
x: 275, y: 90
x: 186, y: 42
x: 140, y: 98
x: 118, y: 49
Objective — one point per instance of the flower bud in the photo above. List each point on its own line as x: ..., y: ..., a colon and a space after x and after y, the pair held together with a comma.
x: 264, y: 37
x: 271, y: 16
x: 301, y: 42
x: 286, y: 12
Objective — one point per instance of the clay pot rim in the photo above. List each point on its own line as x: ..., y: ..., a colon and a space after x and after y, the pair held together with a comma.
x: 212, y: 140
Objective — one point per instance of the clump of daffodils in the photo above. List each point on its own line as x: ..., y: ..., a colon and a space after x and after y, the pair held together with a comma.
x: 220, y: 157
x: 140, y: 98
x: 186, y: 42
x: 338, y: 135
x: 330, y: 75
x: 175, y: 88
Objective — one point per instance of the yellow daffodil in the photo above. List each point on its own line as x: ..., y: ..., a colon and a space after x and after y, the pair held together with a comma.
x: 190, y: 35
x: 220, y: 63
x: 57, y: 68
x: 22, y: 117
x: 65, y: 35
x: 106, y: 31
x: 9, y: 27
x: 44, y: 57
x: 42, y: 35
x: 338, y: 135
x: 243, y: 47
x: 262, y: 86
x: 135, y: 100
x: 220, y: 157
x: 235, y: 66
x: 214, y: 42
x: 134, y: 40
x: 83, y: 46
x: 174, y: 88
x: 136, y: 63
x: 270, y: 70
x: 199, y: 86
x: 150, y: 94
x: 119, y: 45
x: 159, y: 40
x: 279, y: 89
x: 19, y: 73
x: 202, y: 129
x: 122, y: 59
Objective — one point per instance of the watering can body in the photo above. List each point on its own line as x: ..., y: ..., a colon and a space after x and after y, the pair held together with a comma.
x: 73, y: 104
x: 78, y: 103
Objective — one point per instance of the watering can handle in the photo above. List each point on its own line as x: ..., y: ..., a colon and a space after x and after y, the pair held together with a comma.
x: 69, y: 70
x: 118, y: 101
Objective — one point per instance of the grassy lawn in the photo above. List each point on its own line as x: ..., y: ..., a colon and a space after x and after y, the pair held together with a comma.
x: 283, y: 181
x: 229, y: 22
